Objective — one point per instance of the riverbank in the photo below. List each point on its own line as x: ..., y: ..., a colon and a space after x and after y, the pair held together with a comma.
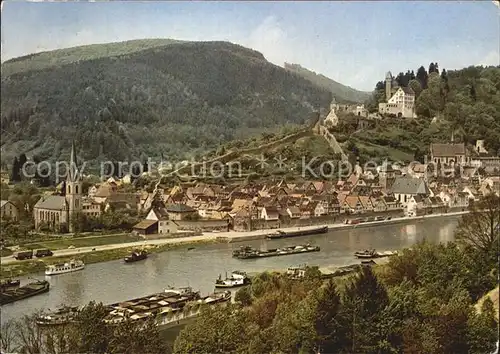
x: 27, y: 267
x: 110, y: 252
x: 238, y: 236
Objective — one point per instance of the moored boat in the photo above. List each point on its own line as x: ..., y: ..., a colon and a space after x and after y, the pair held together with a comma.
x: 63, y: 315
x: 370, y: 254
x: 165, y: 307
x: 296, y: 272
x: 366, y: 254
x: 286, y: 234
x: 237, y: 278
x: 136, y: 256
x: 23, y: 292
x: 248, y: 252
x: 71, y: 266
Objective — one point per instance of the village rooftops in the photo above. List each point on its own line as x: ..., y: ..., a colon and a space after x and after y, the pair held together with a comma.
x: 145, y: 224
x: 408, y: 90
x: 51, y: 202
x: 447, y: 150
x: 405, y: 185
x: 179, y: 208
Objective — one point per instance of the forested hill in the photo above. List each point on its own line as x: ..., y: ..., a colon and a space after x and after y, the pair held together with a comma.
x: 342, y: 93
x: 146, y: 99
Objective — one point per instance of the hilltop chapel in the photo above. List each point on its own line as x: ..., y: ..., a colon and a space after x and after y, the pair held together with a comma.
x: 55, y: 211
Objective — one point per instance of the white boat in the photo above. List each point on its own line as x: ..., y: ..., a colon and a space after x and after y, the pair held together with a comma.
x: 237, y: 278
x: 296, y: 272
x: 62, y: 268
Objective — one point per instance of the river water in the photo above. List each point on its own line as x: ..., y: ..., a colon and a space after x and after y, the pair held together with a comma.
x: 115, y: 281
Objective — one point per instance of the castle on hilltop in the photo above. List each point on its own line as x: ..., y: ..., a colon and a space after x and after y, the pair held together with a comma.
x: 400, y: 101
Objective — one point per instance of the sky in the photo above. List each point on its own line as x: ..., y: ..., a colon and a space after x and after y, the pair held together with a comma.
x: 354, y: 43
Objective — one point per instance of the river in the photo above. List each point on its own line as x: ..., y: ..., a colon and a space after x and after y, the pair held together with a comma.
x: 115, y: 281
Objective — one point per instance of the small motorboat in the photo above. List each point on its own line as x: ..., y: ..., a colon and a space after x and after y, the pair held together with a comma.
x: 136, y: 256
x: 237, y: 278
x: 367, y: 254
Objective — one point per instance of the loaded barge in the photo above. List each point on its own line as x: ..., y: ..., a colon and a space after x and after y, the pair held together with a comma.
x: 285, y: 234
x: 249, y: 252
x: 9, y: 284
x: 23, y: 292
x: 166, y: 307
x: 371, y: 254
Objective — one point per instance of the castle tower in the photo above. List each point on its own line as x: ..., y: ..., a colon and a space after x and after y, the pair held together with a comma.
x: 74, y: 189
x: 388, y: 86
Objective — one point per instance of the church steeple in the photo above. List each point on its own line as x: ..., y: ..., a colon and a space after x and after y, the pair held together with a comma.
x: 73, y: 174
x: 74, y: 188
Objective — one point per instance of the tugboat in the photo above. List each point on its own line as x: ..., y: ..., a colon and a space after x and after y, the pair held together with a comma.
x: 249, y: 252
x: 237, y: 278
x: 285, y: 234
x: 136, y: 256
x: 9, y: 284
x: 23, y: 292
x: 62, y: 268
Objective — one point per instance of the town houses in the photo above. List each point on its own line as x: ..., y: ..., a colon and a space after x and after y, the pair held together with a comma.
x: 273, y: 202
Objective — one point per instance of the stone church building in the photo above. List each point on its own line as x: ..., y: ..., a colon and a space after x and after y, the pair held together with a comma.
x: 56, y: 211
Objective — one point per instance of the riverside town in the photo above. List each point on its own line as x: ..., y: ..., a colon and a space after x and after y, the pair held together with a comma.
x: 171, y: 183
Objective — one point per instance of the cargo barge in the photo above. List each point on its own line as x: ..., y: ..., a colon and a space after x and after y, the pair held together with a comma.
x: 371, y: 254
x: 15, y: 294
x: 249, y: 252
x: 285, y: 234
x: 166, y: 307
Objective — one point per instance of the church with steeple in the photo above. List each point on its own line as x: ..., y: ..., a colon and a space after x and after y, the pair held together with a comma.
x: 55, y: 212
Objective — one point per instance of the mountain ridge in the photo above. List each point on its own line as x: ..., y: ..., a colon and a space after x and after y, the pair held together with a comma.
x: 342, y: 93
x: 171, y: 99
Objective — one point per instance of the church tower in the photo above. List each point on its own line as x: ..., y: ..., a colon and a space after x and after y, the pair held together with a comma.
x: 74, y: 188
x: 388, y: 86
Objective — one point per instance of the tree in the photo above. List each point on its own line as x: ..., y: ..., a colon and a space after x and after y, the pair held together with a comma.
x: 330, y: 327
x: 422, y: 77
x: 482, y: 332
x: 244, y: 296
x: 480, y: 228
x: 364, y: 302
x: 216, y: 330
x: 418, y: 155
x: 15, y: 175
x: 415, y: 86
x: 472, y: 92
x: 22, y: 160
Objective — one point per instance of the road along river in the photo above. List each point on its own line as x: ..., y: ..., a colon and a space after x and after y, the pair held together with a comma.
x: 115, y: 281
